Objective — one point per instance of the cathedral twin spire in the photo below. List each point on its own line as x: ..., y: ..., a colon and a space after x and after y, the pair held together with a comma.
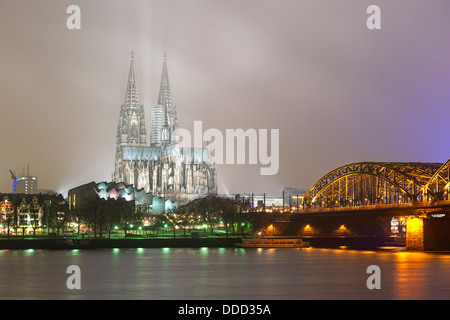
x: 132, y: 96
x: 147, y: 165
x: 131, y: 130
x: 169, y: 118
x: 164, y: 97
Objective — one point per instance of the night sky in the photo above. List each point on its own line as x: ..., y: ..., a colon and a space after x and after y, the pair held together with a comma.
x: 337, y: 91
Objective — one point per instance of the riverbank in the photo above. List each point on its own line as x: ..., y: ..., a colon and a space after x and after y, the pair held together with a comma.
x: 71, y: 243
x: 166, y: 242
x: 347, y: 241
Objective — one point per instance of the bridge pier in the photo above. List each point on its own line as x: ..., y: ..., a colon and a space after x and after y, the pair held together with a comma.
x: 428, y: 233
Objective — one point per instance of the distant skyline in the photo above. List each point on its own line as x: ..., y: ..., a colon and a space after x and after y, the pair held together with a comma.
x: 337, y: 91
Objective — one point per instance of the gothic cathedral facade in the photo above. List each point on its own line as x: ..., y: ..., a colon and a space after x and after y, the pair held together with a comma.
x: 159, y: 166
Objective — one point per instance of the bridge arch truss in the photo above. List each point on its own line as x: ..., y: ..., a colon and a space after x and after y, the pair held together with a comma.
x: 438, y: 187
x: 370, y: 183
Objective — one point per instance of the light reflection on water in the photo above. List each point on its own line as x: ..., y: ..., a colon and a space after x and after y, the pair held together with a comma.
x: 224, y: 273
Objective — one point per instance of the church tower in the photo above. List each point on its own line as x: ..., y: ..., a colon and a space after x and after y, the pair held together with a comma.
x: 161, y: 167
x: 164, y: 113
x: 131, y: 132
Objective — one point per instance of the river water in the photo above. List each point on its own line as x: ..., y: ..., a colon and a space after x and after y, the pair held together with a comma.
x: 224, y: 273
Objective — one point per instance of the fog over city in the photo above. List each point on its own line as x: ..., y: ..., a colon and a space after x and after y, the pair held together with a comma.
x: 337, y: 91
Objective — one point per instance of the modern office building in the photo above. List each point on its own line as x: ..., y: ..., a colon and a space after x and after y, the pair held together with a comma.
x: 27, y: 184
x: 157, y: 117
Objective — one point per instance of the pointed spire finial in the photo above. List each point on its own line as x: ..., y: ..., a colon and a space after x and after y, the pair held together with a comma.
x: 164, y: 91
x: 132, y: 94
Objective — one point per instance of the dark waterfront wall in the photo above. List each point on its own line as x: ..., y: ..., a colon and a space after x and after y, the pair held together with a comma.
x: 328, y: 229
x: 436, y: 234
x: 362, y: 227
x: 27, y: 244
x: 324, y: 225
x: 14, y: 244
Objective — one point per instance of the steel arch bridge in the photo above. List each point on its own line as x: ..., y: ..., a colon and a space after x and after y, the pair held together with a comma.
x: 438, y: 187
x: 372, y: 183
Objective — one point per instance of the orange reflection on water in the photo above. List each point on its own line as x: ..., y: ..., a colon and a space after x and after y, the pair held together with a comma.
x: 417, y: 274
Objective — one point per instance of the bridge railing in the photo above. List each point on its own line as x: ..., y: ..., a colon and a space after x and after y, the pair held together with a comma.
x: 356, y: 208
x: 428, y: 204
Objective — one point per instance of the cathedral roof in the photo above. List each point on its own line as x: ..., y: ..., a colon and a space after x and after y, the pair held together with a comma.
x: 173, y: 151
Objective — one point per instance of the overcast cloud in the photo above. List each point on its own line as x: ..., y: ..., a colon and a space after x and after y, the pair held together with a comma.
x: 337, y: 91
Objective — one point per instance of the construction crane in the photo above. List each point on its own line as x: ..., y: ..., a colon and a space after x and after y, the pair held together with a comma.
x: 13, y: 176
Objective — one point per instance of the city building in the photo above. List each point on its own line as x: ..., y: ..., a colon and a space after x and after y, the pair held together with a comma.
x: 145, y: 203
x: 27, y: 184
x: 161, y: 167
x: 289, y: 200
x: 6, y: 209
x: 26, y: 212
x: 293, y: 197
x: 157, y: 117
x: 29, y: 214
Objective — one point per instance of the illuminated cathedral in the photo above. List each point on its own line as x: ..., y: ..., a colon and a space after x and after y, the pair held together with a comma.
x: 159, y: 166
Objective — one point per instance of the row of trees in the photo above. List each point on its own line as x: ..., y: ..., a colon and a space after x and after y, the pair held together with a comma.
x: 104, y: 216
x: 213, y: 212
